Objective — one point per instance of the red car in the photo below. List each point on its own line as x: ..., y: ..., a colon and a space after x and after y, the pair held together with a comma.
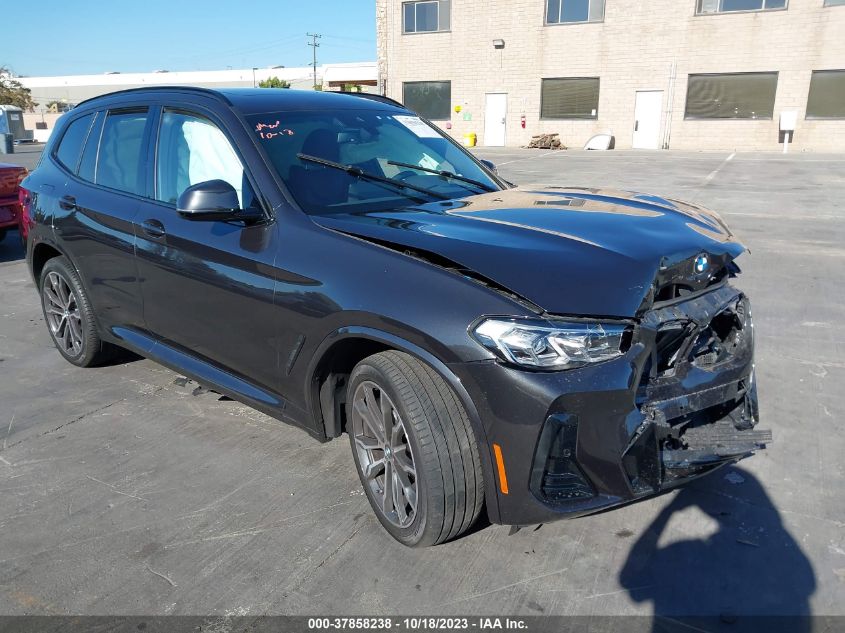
x: 10, y: 206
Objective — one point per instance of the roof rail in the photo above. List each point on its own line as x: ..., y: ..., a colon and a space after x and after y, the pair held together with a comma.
x: 374, y: 97
x: 206, y: 91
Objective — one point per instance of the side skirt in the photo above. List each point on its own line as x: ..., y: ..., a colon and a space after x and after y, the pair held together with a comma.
x: 211, y: 376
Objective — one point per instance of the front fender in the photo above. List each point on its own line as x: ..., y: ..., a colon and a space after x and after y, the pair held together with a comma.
x: 399, y: 343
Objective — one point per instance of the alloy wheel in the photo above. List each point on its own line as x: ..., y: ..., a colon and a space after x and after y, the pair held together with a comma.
x: 62, y: 310
x: 384, y: 454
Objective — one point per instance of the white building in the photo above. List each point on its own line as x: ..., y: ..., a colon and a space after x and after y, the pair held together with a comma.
x: 69, y: 90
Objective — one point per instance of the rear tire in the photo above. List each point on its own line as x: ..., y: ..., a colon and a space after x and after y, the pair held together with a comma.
x: 414, y: 449
x: 70, y: 317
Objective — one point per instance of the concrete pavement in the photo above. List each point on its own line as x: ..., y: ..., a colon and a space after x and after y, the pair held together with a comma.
x: 124, y: 489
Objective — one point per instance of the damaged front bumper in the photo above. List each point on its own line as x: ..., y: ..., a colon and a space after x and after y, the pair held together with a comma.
x: 681, y: 402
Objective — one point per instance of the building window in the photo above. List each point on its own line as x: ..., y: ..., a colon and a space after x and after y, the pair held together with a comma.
x: 428, y: 16
x: 429, y: 99
x: 834, y: 3
x: 728, y: 6
x: 827, y: 94
x: 731, y: 96
x: 572, y: 98
x: 568, y: 11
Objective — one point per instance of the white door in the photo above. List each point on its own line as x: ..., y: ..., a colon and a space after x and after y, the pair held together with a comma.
x: 647, y: 115
x: 495, y: 116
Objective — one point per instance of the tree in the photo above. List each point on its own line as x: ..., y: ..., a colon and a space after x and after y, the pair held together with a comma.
x: 12, y: 92
x: 273, y: 82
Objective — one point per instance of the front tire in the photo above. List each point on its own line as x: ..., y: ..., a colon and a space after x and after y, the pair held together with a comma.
x: 69, y: 315
x: 414, y: 449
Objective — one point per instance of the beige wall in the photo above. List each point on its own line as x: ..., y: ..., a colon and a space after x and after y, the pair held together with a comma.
x: 31, y: 118
x: 633, y: 49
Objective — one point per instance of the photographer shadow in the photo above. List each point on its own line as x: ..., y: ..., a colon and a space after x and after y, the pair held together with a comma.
x: 749, y: 573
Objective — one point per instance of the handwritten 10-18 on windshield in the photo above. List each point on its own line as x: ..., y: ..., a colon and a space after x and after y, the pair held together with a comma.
x: 272, y: 130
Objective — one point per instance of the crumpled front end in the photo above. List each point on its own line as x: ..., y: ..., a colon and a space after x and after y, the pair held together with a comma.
x: 680, y: 402
x: 696, y: 393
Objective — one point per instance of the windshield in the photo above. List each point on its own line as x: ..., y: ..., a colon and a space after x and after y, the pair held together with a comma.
x: 372, y: 141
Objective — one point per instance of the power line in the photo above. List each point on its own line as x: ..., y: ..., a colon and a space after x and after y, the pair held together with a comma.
x: 247, y: 49
x: 351, y: 39
x: 314, y: 44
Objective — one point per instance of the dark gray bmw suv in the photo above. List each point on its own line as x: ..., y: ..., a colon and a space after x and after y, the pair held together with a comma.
x: 337, y: 262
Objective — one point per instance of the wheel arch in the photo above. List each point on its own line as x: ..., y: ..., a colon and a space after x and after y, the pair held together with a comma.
x: 334, y: 360
x: 45, y: 250
x: 42, y: 252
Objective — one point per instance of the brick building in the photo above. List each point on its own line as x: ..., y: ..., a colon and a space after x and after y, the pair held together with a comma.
x: 685, y: 74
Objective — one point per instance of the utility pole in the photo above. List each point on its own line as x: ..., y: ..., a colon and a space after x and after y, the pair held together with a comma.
x: 314, y: 44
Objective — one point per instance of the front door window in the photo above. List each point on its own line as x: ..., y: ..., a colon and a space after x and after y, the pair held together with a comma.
x: 191, y: 149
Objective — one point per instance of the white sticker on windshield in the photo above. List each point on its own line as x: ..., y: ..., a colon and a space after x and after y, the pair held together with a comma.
x: 428, y: 162
x: 417, y: 126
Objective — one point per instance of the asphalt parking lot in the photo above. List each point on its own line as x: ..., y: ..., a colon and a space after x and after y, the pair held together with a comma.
x: 126, y: 490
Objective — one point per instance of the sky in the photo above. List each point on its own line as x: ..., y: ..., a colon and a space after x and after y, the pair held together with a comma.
x: 74, y: 37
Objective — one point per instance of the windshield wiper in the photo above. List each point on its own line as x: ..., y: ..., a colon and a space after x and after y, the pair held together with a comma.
x: 357, y: 172
x: 443, y: 173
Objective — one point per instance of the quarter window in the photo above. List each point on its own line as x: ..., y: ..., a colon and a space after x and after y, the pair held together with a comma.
x: 427, y: 16
x: 88, y: 164
x: 728, y: 6
x: 570, y: 98
x: 833, y: 3
x: 827, y: 95
x: 70, y: 147
x: 567, y: 11
x: 191, y: 150
x: 120, y: 161
x: 430, y: 99
x: 731, y: 96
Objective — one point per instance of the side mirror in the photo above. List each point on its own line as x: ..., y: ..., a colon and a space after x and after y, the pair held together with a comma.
x: 210, y: 200
x: 489, y: 164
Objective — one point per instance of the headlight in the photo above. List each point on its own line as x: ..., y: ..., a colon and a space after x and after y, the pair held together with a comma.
x: 550, y: 345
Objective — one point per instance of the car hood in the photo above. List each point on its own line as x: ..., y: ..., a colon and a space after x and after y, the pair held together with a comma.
x: 570, y: 251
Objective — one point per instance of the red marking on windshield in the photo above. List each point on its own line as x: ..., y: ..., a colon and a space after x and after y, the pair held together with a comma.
x: 269, y: 135
x: 271, y: 126
x: 260, y: 127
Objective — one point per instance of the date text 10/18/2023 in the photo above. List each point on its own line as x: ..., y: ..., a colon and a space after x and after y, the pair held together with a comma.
x: 417, y: 623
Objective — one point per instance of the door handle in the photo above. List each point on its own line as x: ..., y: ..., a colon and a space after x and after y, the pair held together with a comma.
x: 68, y: 203
x: 636, y: 126
x: 153, y: 228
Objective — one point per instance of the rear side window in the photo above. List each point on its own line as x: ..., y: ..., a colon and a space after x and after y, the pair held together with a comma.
x: 70, y: 147
x: 120, y: 161
x: 88, y: 164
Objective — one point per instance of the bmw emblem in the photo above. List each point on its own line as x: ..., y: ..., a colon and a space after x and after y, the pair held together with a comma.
x: 702, y: 263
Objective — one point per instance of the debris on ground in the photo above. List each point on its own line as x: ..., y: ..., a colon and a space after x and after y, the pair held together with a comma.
x: 734, y: 478
x: 160, y: 575
x: 546, y: 141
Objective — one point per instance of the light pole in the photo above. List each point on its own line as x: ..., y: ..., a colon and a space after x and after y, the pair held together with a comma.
x: 253, y: 76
